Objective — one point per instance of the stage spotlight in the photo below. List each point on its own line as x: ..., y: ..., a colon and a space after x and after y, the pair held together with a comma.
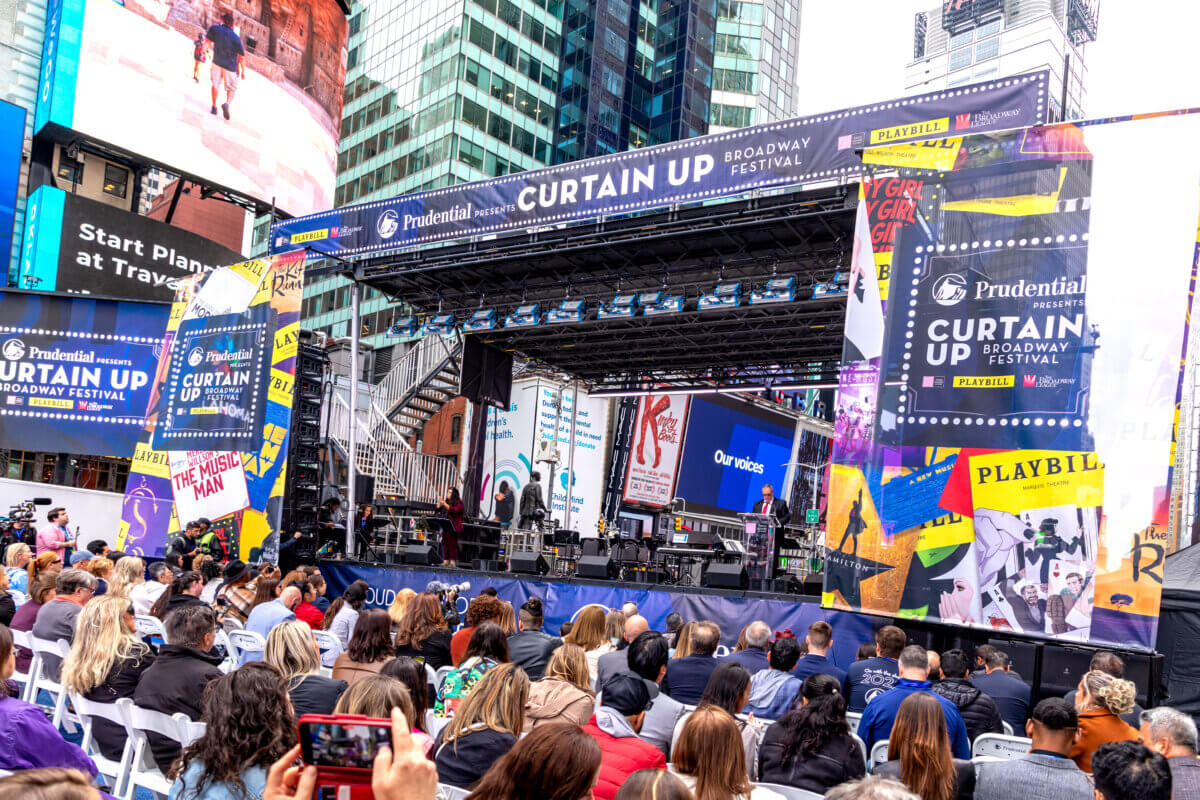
x: 623, y: 305
x: 482, y: 320
x: 655, y: 303
x: 725, y: 295
x: 440, y: 325
x: 567, y: 311
x: 776, y: 290
x: 405, y: 326
x: 525, y: 316
x: 827, y: 289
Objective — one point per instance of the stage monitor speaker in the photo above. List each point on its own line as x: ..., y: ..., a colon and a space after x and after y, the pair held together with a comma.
x: 364, y: 489
x: 597, y: 567
x: 423, y: 554
x: 725, y: 576
x: 527, y: 564
x: 1062, y: 667
x: 486, y: 373
x: 593, y: 546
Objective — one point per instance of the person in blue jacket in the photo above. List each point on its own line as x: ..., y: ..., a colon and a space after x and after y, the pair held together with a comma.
x: 772, y: 691
x: 880, y: 714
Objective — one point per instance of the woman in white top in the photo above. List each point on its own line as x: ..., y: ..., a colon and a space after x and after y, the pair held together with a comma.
x: 708, y: 757
x: 343, y: 613
x: 211, y: 571
x: 588, y: 633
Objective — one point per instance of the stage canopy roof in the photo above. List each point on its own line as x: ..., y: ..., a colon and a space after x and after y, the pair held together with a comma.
x: 687, y: 251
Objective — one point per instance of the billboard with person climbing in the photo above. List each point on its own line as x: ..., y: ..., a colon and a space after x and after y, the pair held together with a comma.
x: 246, y: 96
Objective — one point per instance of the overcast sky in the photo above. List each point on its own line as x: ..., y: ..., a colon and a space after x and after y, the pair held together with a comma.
x: 853, y: 52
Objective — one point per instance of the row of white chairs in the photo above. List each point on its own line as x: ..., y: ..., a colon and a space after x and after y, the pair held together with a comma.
x: 986, y: 747
x: 853, y: 718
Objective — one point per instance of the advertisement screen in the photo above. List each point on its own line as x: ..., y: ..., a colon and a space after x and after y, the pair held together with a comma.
x: 12, y: 141
x: 79, y: 245
x: 75, y: 373
x: 731, y: 449
x: 246, y: 96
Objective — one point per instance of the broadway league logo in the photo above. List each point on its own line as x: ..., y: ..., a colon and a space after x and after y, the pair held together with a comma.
x: 14, y: 349
x: 949, y: 290
x: 388, y: 224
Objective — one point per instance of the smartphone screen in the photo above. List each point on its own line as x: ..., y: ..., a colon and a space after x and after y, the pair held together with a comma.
x: 346, y: 746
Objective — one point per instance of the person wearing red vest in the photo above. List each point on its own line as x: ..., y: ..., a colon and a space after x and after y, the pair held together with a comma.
x: 624, y: 699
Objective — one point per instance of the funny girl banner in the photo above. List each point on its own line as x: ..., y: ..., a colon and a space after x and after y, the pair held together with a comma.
x: 1014, y: 342
x: 214, y: 443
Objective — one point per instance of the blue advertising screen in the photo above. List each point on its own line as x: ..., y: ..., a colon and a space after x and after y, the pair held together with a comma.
x: 12, y: 141
x: 730, y: 450
x: 76, y: 373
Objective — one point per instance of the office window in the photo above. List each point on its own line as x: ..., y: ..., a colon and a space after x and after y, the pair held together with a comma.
x: 456, y: 423
x: 963, y: 38
x: 989, y: 28
x: 987, y: 49
x: 69, y: 169
x: 613, y: 83
x: 614, y: 44
x: 960, y: 58
x: 116, y: 180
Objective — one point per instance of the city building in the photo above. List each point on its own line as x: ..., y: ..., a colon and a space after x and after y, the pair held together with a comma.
x: 452, y: 91
x: 22, y: 30
x: 966, y: 41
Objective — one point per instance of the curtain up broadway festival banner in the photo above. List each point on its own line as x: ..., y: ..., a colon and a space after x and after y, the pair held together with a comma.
x: 1015, y: 329
x: 214, y: 442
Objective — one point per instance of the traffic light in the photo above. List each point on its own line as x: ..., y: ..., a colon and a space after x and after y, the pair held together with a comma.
x: 679, y: 523
x: 600, y: 527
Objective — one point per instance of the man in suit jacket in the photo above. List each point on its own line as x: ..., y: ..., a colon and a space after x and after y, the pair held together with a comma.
x: 1045, y: 773
x: 687, y: 677
x: 1173, y: 733
x: 758, y: 641
x: 610, y: 664
x: 1010, y: 694
x: 770, y: 504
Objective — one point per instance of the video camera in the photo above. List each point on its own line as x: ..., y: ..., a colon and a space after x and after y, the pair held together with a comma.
x: 21, y: 514
x: 447, y: 593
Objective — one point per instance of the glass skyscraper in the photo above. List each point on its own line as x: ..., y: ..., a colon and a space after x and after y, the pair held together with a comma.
x: 448, y: 91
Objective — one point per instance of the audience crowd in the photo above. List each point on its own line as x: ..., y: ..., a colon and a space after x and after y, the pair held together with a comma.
x: 501, y: 708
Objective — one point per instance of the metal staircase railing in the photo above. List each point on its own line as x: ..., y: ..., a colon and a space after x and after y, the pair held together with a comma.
x: 419, y: 384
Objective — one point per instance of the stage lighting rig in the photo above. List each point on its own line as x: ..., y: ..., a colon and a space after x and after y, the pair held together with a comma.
x: 776, y: 290
x: 404, y: 326
x: 621, y: 306
x: 656, y: 303
x: 567, y: 311
x: 439, y: 325
x: 525, y: 316
x: 482, y: 320
x: 725, y: 295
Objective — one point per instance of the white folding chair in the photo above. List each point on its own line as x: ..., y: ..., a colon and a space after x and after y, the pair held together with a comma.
x: 89, y: 711
x: 879, y: 753
x: 1006, y: 728
x: 22, y: 639
x: 440, y: 677
x: 435, y: 723
x: 721, y: 651
x: 230, y: 662
x: 1000, y: 746
x: 143, y: 772
x: 247, y: 643
x: 862, y: 746
x: 231, y: 624
x: 852, y: 719
x: 19, y: 597
x: 149, y: 627
x: 790, y: 792
x: 43, y: 681
x: 330, y: 646
x: 447, y: 792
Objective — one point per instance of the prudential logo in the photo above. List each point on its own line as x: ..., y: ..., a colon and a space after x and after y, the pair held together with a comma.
x: 387, y: 224
x: 744, y: 464
x: 949, y: 290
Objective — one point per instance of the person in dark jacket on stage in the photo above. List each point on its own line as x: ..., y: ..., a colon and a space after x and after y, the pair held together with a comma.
x: 531, y: 500
x: 811, y: 748
x: 531, y: 647
x: 979, y: 712
x: 176, y: 680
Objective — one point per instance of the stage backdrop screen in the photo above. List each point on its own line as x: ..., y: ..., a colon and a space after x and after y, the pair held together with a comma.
x: 140, y: 76
x: 730, y: 450
x: 93, y: 248
x: 76, y: 373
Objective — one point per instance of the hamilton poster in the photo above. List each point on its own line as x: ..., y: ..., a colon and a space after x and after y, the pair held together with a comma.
x: 1010, y: 382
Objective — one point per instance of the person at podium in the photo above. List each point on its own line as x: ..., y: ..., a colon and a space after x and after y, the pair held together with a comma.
x: 770, y: 504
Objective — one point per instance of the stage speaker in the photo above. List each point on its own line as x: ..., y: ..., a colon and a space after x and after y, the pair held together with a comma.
x: 423, y: 554
x: 364, y: 488
x: 528, y: 564
x: 597, y: 567
x: 593, y: 546
x: 725, y: 576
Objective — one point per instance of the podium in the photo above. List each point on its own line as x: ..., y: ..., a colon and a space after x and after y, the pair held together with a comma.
x: 759, y: 532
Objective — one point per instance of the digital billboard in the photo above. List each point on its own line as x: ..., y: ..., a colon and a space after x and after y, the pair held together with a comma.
x: 74, y: 244
x: 246, y: 96
x: 730, y: 450
x: 75, y: 373
x: 12, y: 142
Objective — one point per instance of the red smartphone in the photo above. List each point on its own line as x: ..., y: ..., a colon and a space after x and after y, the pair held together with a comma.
x: 343, y: 748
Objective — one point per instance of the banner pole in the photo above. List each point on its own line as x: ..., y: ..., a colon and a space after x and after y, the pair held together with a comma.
x: 352, y: 437
x: 571, y: 453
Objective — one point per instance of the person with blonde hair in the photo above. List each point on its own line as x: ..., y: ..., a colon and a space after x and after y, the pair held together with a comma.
x: 1101, y: 699
x: 48, y: 783
x: 102, y: 569
x: 589, y: 632
x: 292, y: 650
x: 709, y: 758
x: 127, y: 573
x: 484, y: 728
x: 105, y: 663
x: 507, y: 619
x: 16, y: 564
x: 396, y: 609
x: 565, y: 693
x: 614, y: 626
x: 683, y: 641
x: 375, y: 696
